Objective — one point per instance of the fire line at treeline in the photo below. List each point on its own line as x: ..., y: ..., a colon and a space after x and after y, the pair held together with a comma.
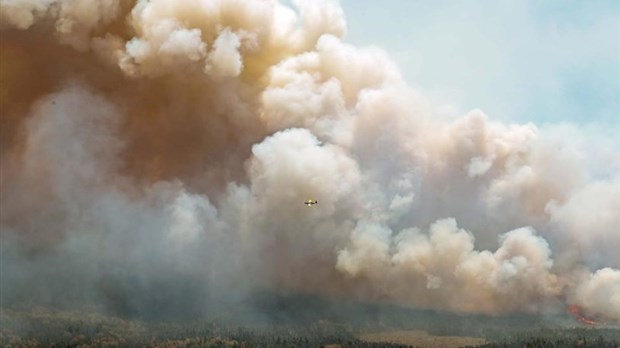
x: 578, y: 314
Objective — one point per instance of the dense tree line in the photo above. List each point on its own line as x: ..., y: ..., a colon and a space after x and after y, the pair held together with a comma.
x: 47, y: 328
x: 537, y: 342
x: 560, y: 338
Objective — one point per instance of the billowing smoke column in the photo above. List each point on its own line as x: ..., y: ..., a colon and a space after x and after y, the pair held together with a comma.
x: 163, y: 149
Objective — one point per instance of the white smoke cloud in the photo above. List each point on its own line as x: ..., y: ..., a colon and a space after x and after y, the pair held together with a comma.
x: 599, y: 293
x: 179, y: 139
x: 416, y: 267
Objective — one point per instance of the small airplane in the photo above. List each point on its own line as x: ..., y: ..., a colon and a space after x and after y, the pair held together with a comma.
x: 311, y: 202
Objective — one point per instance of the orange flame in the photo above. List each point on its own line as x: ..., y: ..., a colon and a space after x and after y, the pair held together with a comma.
x: 577, y: 313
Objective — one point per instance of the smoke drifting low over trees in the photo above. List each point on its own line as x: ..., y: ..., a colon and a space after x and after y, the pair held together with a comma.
x: 157, y: 154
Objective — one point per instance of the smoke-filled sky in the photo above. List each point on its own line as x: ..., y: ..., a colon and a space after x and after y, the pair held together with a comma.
x: 159, y: 152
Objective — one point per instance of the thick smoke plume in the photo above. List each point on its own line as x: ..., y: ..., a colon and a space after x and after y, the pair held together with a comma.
x: 156, y: 156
